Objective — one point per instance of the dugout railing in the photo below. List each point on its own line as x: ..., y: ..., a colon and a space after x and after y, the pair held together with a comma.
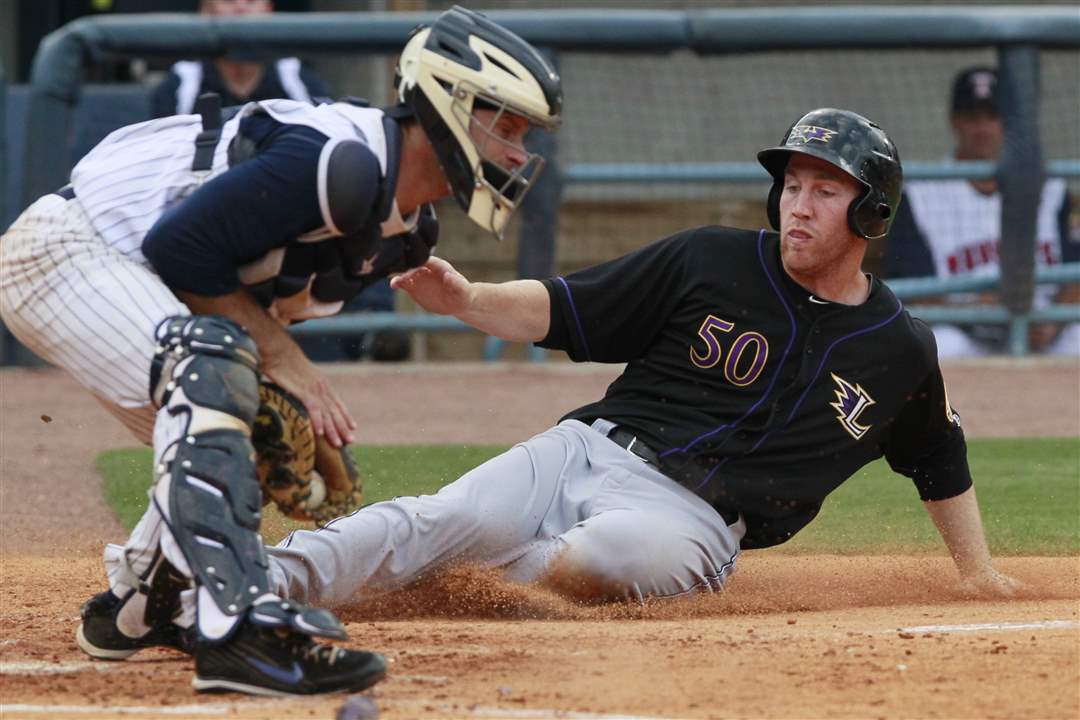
x: 1017, y: 33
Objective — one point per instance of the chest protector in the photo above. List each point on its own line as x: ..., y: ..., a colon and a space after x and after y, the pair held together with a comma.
x: 359, y: 244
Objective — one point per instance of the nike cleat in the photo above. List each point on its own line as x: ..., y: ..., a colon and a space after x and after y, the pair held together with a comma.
x: 274, y: 661
x: 99, y: 637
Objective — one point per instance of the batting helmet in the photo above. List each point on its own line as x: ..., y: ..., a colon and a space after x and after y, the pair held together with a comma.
x: 461, y: 62
x: 857, y: 146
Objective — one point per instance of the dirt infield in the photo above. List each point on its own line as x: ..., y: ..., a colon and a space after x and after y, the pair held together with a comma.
x: 804, y: 637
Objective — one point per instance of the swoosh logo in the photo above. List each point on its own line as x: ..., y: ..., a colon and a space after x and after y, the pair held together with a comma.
x: 288, y: 677
x: 368, y: 266
x: 818, y: 302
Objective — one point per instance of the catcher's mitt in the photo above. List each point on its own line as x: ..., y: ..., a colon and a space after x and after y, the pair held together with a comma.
x: 303, y: 474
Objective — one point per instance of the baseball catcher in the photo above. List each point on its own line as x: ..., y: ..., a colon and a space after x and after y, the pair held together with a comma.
x: 169, y: 268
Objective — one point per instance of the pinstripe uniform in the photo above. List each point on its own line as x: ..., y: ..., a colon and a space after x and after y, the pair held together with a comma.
x: 79, y: 290
x: 76, y: 287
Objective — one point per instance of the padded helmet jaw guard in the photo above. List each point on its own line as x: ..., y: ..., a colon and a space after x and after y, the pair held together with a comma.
x: 462, y: 62
x: 857, y: 146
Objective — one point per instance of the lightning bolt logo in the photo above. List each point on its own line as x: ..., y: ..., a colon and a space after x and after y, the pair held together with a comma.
x: 804, y: 134
x: 851, y: 400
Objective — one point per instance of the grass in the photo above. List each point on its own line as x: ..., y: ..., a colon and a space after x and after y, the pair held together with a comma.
x: 1028, y: 489
x: 1029, y: 497
x: 388, y: 471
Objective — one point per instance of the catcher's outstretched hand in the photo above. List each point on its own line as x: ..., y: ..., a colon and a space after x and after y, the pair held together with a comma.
x: 437, y: 287
x: 329, y: 416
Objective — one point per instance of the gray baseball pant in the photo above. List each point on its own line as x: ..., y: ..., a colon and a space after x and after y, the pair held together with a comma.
x: 567, y: 493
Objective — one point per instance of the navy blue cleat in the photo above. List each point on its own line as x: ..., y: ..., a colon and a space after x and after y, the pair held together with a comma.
x: 280, y: 661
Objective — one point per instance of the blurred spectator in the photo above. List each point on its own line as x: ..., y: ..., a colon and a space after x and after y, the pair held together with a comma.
x: 949, y: 228
x: 236, y: 81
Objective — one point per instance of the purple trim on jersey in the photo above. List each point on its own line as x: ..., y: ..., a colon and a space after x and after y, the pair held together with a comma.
x: 772, y: 383
x: 763, y: 438
x: 825, y: 357
x: 577, y: 320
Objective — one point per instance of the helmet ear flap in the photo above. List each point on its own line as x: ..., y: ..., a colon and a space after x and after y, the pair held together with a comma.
x: 869, y: 216
x: 772, y: 205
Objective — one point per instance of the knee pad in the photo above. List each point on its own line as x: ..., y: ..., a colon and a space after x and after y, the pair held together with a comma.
x: 206, y: 368
x: 212, y: 360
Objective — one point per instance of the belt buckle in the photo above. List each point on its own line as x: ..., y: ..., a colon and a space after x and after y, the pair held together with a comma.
x: 635, y: 447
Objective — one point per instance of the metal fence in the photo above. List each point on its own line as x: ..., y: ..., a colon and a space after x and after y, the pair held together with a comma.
x: 1018, y: 34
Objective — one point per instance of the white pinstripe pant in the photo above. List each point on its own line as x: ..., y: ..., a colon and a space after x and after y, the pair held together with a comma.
x: 85, y: 307
x: 91, y: 310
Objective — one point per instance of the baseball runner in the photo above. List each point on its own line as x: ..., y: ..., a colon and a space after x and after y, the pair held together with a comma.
x: 161, y: 279
x: 763, y: 369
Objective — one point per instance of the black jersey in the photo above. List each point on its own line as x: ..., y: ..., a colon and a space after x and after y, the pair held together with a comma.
x: 755, y: 394
x: 186, y: 80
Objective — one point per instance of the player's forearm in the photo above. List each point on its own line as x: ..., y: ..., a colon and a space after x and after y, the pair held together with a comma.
x: 519, y: 310
x: 239, y: 306
x: 960, y: 524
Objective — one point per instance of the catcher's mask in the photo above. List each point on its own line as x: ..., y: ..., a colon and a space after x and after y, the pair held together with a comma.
x: 464, y: 62
x: 857, y: 146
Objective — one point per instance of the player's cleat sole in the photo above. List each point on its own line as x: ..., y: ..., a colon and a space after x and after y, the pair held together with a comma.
x: 99, y: 637
x: 99, y: 652
x: 261, y: 661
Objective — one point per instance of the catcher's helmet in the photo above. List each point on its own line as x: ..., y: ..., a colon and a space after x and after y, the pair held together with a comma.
x: 859, y: 148
x: 461, y: 62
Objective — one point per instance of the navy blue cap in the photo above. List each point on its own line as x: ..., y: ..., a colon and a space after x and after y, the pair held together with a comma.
x: 974, y: 90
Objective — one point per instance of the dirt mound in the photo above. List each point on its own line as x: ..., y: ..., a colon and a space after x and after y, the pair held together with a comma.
x: 761, y: 585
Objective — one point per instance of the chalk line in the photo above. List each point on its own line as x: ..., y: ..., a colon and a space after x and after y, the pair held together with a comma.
x: 41, y: 667
x: 980, y: 627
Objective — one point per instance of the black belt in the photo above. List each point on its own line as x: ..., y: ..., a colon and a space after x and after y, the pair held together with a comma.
x: 628, y: 440
x: 67, y: 192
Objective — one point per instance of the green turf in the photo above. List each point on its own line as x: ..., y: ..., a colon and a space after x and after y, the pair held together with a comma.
x: 388, y: 471
x: 1029, y: 492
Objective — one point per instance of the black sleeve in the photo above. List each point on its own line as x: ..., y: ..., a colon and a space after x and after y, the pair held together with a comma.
x: 263, y: 203
x: 613, y: 311
x: 315, y: 86
x: 907, y: 253
x: 163, y: 97
x: 925, y: 442
x: 1070, y: 245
